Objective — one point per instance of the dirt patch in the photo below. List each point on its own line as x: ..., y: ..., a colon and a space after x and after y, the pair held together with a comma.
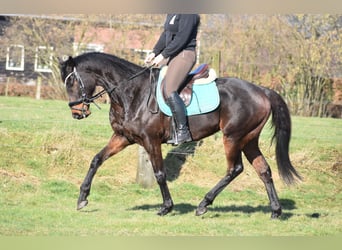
x: 337, y: 167
x: 19, y: 176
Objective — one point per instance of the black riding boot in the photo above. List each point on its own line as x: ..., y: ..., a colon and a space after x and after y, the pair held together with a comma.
x: 177, y: 107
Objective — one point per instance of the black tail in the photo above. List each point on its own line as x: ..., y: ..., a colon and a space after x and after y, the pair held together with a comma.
x: 281, y: 122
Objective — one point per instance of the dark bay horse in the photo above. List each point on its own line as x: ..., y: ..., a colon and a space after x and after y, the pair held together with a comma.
x: 243, y: 111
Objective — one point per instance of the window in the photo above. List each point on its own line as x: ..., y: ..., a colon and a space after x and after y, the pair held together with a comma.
x: 15, y: 58
x: 43, y: 60
x: 90, y: 47
x: 141, y: 54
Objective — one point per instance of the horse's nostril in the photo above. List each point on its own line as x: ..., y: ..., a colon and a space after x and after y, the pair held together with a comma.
x: 77, y: 116
x: 80, y: 116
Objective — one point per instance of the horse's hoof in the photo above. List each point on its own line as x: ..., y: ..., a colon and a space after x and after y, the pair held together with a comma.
x: 82, y: 204
x: 164, y: 211
x: 201, y: 210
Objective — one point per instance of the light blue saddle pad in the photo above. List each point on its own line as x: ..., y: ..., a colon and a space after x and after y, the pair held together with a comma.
x: 205, y: 98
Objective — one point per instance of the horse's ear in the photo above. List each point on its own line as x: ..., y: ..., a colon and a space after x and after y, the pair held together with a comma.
x: 66, y: 61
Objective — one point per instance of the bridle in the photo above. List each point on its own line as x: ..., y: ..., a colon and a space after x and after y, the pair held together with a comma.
x: 86, y: 101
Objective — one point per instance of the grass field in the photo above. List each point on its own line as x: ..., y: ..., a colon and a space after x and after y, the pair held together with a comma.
x: 45, y: 154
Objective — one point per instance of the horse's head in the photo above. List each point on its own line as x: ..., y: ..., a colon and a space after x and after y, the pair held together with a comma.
x: 77, y: 91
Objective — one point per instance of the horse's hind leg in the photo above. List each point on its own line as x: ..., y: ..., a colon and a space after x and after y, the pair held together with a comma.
x: 262, y: 168
x: 115, y: 145
x: 235, y: 167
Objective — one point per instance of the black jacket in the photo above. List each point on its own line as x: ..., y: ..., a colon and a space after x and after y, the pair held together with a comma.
x: 180, y: 31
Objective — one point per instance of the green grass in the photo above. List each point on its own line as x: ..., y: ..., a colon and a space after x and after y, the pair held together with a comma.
x: 45, y: 154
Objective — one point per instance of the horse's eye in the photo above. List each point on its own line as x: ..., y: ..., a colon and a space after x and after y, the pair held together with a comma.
x: 70, y: 82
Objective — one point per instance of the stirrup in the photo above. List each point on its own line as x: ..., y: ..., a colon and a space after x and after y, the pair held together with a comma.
x: 174, y: 138
x: 185, y: 135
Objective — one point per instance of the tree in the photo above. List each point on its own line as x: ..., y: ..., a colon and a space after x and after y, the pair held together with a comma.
x: 295, y: 54
x: 314, y: 55
x: 56, y: 36
x: 43, y: 38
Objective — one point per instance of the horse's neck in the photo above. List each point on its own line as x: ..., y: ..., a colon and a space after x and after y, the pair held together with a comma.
x: 127, y: 94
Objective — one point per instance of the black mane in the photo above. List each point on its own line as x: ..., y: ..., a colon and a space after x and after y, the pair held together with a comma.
x: 106, y: 62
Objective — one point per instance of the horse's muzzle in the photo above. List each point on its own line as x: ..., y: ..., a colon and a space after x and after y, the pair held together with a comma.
x: 80, y: 111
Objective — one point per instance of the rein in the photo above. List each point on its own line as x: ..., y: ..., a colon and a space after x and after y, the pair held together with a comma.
x: 88, y: 100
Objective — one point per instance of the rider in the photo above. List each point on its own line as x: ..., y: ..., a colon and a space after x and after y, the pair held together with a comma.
x: 177, y: 48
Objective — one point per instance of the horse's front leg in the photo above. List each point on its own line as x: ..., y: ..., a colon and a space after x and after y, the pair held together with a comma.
x: 156, y: 159
x: 115, y: 145
x: 167, y: 200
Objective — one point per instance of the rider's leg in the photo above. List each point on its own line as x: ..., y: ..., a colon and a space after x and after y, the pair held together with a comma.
x: 178, y: 69
x: 179, y: 115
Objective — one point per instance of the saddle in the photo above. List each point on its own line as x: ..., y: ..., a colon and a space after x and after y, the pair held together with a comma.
x: 200, y: 95
x: 201, y: 75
